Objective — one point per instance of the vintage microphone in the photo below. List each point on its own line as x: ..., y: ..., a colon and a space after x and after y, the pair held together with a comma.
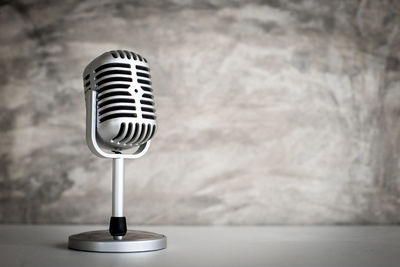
x: 120, y: 122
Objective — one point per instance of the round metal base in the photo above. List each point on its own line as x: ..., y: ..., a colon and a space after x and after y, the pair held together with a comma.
x: 102, y: 241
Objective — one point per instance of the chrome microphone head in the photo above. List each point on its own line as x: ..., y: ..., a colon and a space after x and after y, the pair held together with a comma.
x: 124, y: 100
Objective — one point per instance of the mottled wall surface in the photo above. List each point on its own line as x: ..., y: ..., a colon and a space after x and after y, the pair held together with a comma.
x: 269, y: 111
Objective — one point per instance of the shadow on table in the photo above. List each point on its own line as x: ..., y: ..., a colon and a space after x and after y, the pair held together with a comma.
x: 60, y: 245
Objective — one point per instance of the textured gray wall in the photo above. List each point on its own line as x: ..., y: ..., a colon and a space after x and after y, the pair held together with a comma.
x: 269, y: 111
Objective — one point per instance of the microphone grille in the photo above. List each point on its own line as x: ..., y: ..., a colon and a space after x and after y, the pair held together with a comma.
x: 114, y: 99
x: 125, y: 102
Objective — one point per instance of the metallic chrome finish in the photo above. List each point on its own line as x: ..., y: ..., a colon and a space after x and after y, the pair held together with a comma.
x: 120, y: 123
x: 91, y: 133
x: 124, y: 104
x: 102, y: 241
x: 118, y: 188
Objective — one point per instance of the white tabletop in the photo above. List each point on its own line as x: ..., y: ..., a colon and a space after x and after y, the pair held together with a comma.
x: 212, y: 246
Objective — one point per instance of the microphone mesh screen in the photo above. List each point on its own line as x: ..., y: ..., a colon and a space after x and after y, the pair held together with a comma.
x: 125, y: 103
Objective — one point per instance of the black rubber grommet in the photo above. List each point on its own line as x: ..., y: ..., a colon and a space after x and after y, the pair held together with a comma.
x: 117, y: 226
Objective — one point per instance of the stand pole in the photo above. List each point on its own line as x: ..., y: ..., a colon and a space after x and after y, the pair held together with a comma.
x: 118, y: 222
x: 118, y: 177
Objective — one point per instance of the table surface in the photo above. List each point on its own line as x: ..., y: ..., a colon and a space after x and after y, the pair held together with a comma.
x: 46, y: 245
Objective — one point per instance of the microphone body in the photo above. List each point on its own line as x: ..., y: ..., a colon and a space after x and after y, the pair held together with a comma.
x: 120, y: 123
x: 125, y: 113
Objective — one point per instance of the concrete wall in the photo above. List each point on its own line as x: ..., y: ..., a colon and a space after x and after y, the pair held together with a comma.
x: 270, y: 112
